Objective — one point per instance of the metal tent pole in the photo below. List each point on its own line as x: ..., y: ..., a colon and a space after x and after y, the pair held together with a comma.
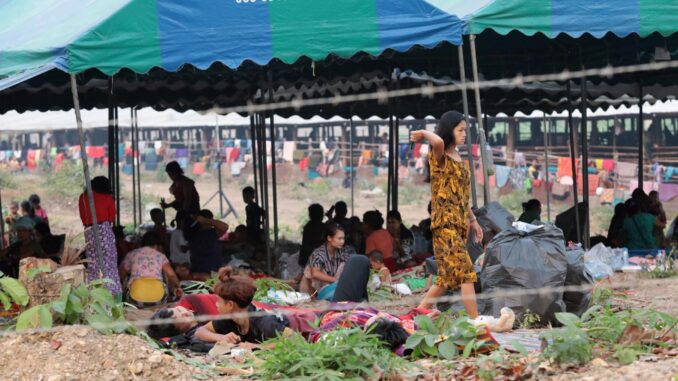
x: 217, y: 132
x: 469, y: 145
x: 117, y: 167
x: 479, y: 120
x: 253, y: 141
x: 137, y: 161
x: 2, y: 225
x: 547, y: 128
x: 274, y: 184
x: 389, y: 184
x: 585, y: 161
x: 351, y: 166
x: 396, y: 162
x: 641, y: 143
x: 88, y: 184
x: 574, y: 159
x: 111, y: 135
x: 134, y: 168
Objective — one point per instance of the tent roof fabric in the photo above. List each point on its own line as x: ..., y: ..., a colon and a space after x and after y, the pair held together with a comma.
x: 76, y: 35
x: 572, y: 17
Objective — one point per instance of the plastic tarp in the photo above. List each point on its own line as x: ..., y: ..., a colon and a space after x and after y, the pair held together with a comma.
x: 493, y: 219
x: 517, y: 261
x: 75, y: 35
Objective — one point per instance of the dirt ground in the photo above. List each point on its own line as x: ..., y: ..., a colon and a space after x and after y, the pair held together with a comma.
x: 79, y: 353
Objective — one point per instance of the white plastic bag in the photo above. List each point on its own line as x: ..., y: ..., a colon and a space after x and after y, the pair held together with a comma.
x: 598, y: 261
x: 289, y: 298
x: 402, y: 289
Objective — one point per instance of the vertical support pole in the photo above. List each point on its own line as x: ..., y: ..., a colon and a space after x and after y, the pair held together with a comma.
x: 138, y: 163
x: 585, y: 161
x: 396, y: 162
x: 573, y: 156
x: 117, y: 167
x: 217, y: 136
x: 389, y: 185
x: 255, y: 161
x: 479, y: 120
x: 547, y: 128
x: 2, y: 225
x: 353, y: 175
x: 134, y: 168
x: 88, y: 184
x: 641, y: 143
x: 274, y: 184
x: 469, y: 145
x: 112, y: 148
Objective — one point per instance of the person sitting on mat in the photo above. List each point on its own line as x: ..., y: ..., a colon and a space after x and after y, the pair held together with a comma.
x: 326, y: 263
x: 143, y: 270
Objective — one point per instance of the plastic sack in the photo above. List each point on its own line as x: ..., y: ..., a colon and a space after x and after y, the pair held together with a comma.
x: 401, y: 289
x: 288, y: 298
x: 577, y: 302
x: 517, y: 260
x: 493, y: 219
x: 288, y: 266
x: 601, y: 261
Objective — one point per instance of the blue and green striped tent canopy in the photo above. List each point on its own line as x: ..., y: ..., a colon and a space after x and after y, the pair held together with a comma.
x: 75, y: 35
x: 571, y: 17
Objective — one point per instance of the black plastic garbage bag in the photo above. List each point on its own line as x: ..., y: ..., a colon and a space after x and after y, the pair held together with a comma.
x: 493, y: 219
x: 577, y: 302
x: 515, y: 261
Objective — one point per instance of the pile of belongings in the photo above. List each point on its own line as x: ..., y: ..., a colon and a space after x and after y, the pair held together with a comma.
x: 527, y: 258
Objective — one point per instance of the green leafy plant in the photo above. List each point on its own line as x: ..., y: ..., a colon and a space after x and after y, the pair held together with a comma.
x: 266, y: 284
x: 446, y: 338
x: 530, y: 320
x: 89, y: 303
x: 499, y: 363
x: 341, y: 354
x: 669, y: 268
x: 35, y: 271
x: 569, y: 344
x: 12, y: 291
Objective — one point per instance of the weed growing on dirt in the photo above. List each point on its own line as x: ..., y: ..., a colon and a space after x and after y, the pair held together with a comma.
x: 67, y: 183
x: 341, y: 354
x: 497, y: 364
x: 666, y: 269
x: 625, y: 333
x: 530, y: 320
x: 446, y: 338
x: 91, y: 304
x: 7, y: 180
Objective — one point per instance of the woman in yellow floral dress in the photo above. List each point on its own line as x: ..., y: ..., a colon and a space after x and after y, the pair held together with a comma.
x: 451, y: 217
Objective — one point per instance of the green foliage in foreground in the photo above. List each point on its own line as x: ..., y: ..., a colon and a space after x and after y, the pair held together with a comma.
x: 91, y: 304
x: 342, y: 354
x: 608, y: 330
x: 446, y: 338
x: 12, y: 292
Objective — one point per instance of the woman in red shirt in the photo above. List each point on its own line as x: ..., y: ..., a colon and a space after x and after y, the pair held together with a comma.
x: 104, y: 205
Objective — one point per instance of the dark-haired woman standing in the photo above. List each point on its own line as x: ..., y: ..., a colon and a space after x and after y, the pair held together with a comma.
x: 451, y: 217
x: 104, y: 205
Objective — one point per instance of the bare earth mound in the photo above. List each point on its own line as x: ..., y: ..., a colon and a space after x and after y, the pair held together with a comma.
x: 81, y: 353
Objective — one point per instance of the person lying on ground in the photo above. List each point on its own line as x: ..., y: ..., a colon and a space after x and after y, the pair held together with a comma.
x: 148, y: 262
x: 234, y: 297
x: 377, y: 263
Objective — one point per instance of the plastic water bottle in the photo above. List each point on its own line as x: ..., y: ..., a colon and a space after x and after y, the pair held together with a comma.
x: 661, y: 259
x: 626, y: 256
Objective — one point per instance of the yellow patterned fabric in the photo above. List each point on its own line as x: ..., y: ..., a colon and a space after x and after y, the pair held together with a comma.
x: 450, y: 183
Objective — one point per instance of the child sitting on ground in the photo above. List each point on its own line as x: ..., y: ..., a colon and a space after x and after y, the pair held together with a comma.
x: 377, y: 263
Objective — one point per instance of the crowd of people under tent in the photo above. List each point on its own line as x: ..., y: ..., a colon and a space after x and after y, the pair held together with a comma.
x: 337, y: 254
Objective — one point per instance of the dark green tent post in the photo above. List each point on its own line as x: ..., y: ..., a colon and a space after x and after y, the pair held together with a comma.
x: 88, y: 184
x: 585, y: 162
x: 469, y: 145
x: 641, y: 138
x: 479, y: 121
x: 573, y: 157
x: 547, y: 127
